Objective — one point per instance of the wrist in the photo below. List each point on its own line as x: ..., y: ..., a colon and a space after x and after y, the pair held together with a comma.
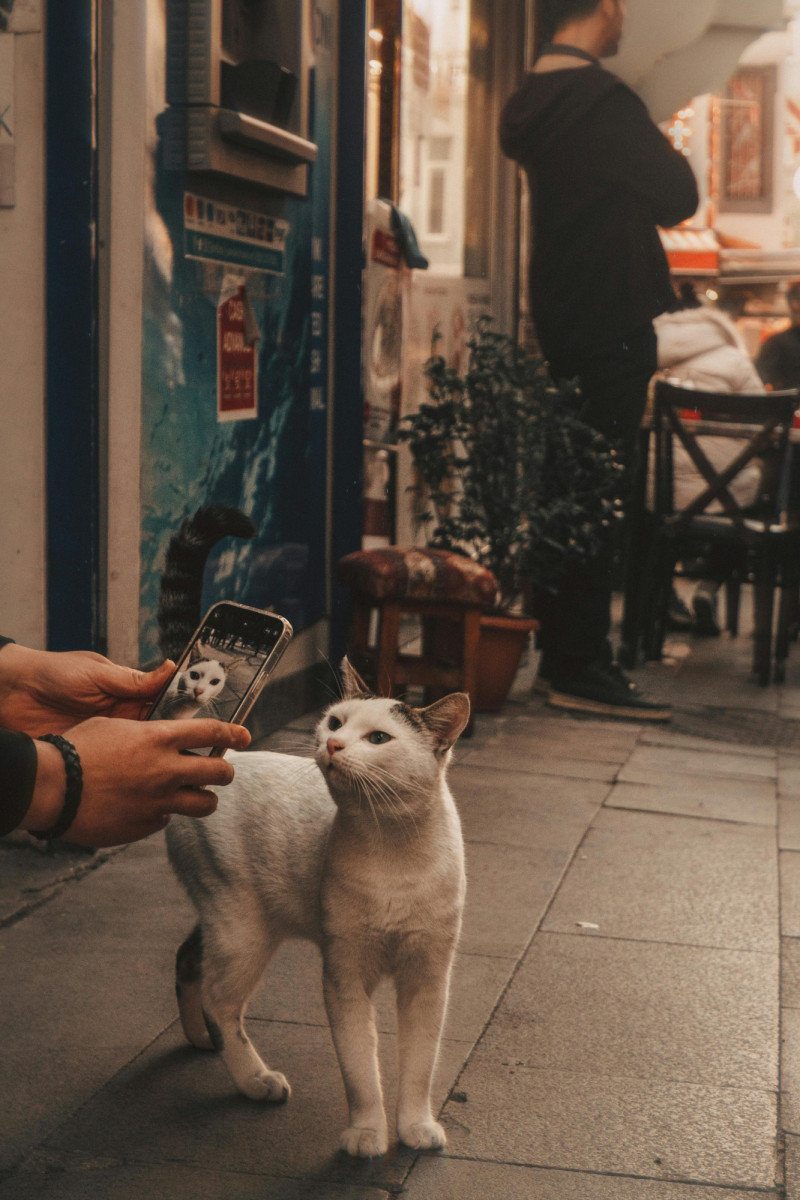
x: 49, y: 789
x: 15, y: 664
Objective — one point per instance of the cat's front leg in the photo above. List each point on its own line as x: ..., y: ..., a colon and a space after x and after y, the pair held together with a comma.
x: 352, y: 1021
x: 421, y: 1004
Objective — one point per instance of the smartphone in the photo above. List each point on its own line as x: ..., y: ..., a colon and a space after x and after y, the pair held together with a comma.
x: 229, y: 658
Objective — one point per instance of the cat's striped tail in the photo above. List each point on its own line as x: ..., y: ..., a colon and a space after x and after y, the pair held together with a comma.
x: 182, y: 579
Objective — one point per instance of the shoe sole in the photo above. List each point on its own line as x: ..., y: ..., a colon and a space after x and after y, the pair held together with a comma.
x: 603, y: 709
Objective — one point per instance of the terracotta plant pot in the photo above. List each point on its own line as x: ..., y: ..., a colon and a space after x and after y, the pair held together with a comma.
x: 503, y: 639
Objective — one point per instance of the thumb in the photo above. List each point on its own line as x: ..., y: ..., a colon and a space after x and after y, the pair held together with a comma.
x: 128, y: 683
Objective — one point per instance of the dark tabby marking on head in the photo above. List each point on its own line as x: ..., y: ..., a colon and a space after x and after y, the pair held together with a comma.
x: 412, y: 715
x: 182, y: 579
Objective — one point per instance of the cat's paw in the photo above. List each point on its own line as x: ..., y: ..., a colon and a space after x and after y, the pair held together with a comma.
x: 268, y: 1086
x: 364, y: 1143
x: 422, y: 1135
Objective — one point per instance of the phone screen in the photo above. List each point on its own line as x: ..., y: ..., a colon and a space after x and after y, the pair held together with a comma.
x: 221, y: 664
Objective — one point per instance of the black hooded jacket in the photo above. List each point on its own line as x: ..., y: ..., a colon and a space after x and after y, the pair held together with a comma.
x: 602, y: 177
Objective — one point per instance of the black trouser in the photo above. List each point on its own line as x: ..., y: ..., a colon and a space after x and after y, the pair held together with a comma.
x: 614, y: 378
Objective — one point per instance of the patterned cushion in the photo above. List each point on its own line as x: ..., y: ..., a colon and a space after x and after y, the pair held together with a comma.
x: 406, y: 572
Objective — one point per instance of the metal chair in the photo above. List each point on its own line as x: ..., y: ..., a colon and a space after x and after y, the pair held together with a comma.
x: 763, y: 539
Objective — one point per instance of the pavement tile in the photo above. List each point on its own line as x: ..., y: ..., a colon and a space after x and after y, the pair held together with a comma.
x: 448, y: 1178
x: 789, y: 824
x: 789, y: 781
x: 292, y: 992
x: 510, y: 756
x: 790, y: 1070
x: 664, y: 736
x: 100, y: 1180
x: 601, y: 1007
x: 790, y: 972
x: 92, y: 984
x: 651, y: 1128
x: 654, y: 877
x: 178, y: 1105
x: 606, y: 740
x: 658, y: 763
x: 516, y: 808
x: 751, y: 802
x: 790, y: 893
x: 508, y: 891
x: 792, y: 1167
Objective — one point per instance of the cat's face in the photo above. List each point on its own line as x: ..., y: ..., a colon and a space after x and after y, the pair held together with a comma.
x: 203, y: 680
x: 384, y: 750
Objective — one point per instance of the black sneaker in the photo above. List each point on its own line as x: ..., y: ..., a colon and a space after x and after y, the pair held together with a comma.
x: 704, y: 604
x: 605, y: 691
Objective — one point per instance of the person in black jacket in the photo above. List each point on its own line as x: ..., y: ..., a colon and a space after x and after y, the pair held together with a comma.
x: 602, y: 178
x: 778, y: 361
x: 77, y: 759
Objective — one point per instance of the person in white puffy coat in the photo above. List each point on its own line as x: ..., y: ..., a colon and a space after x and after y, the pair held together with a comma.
x: 699, y: 347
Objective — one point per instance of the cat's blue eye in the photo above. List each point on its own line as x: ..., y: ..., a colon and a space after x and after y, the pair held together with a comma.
x: 214, y: 682
x: 334, y: 723
x: 378, y: 737
x: 194, y: 674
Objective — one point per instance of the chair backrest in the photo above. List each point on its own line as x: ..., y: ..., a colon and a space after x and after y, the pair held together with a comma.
x: 759, y: 421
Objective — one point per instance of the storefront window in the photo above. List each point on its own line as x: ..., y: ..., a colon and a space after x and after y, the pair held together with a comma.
x: 445, y: 139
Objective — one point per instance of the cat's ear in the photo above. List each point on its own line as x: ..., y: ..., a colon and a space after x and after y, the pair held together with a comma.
x: 197, y: 653
x: 352, y: 682
x: 447, y: 718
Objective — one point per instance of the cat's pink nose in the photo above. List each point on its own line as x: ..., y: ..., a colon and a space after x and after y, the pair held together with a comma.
x: 333, y: 746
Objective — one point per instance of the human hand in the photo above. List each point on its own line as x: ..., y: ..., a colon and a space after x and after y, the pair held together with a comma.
x: 44, y: 692
x: 134, y: 777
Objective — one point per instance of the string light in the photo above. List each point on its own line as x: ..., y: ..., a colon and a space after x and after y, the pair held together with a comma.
x: 680, y: 131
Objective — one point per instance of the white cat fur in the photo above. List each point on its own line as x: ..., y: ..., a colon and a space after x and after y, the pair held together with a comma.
x: 361, y: 853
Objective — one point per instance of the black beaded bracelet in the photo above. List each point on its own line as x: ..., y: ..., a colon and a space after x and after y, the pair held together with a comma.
x: 72, y: 795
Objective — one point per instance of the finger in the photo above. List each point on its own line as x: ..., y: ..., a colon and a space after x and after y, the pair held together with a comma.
x: 199, y: 770
x: 194, y: 802
x: 127, y: 682
x: 193, y: 732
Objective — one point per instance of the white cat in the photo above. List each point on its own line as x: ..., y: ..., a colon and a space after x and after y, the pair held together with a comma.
x: 363, y: 855
x: 197, y: 686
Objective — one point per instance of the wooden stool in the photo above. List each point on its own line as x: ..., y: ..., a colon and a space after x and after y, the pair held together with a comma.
x: 433, y: 584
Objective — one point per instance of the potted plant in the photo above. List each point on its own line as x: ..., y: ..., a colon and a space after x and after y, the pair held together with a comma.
x: 510, y: 476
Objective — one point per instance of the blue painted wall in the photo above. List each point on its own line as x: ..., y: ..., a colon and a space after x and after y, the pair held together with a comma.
x: 273, y: 467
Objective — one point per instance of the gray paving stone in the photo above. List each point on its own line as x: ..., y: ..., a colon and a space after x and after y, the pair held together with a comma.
x: 456, y: 1179
x: 92, y: 983
x: 790, y: 972
x: 751, y: 802
x: 648, y: 1128
x: 663, y: 735
x: 790, y: 1070
x: 790, y: 893
x: 176, y: 1104
x: 600, y: 1007
x: 516, y: 808
x: 511, y: 756
x: 508, y: 891
x: 608, y: 741
x: 789, y: 823
x: 663, y: 878
x: 658, y: 763
x: 100, y: 1180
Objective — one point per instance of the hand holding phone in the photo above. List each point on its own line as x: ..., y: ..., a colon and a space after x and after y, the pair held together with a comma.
x: 224, y: 667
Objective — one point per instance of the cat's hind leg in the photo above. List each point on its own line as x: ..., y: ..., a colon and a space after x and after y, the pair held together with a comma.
x: 188, y: 987
x: 236, y: 953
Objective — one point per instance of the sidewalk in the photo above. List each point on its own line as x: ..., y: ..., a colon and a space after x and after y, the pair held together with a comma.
x: 615, y: 1019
